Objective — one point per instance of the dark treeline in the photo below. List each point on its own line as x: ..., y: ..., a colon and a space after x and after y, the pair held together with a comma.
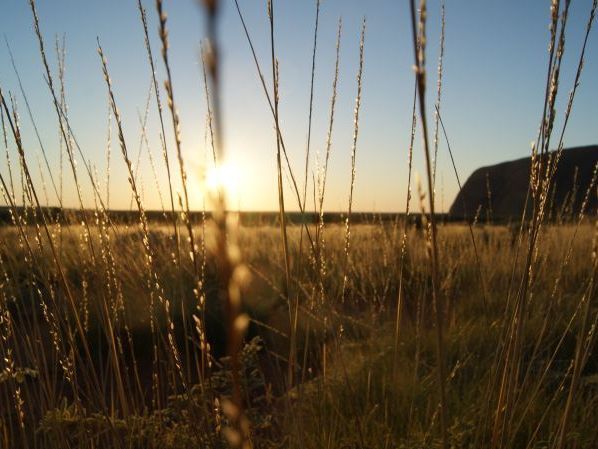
x: 65, y: 216
x: 266, y: 218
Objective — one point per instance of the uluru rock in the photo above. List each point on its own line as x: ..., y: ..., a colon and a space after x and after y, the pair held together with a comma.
x: 499, y: 191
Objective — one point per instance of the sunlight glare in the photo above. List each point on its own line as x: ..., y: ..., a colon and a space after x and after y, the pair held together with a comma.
x: 225, y: 177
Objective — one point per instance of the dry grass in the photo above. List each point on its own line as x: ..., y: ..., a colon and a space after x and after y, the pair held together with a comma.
x: 394, y: 334
x: 394, y: 405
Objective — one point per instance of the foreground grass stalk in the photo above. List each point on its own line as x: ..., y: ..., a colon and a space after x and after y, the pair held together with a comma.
x: 548, y: 183
x: 469, y: 225
x: 32, y: 119
x: 323, y: 174
x: 314, y: 256
x: 152, y: 278
x: 294, y: 185
x: 438, y: 92
x: 543, y: 166
x: 281, y: 205
x: 165, y: 156
x: 582, y: 347
x: 65, y: 128
x: 61, y: 57
x: 176, y: 132
x: 419, y: 37
x: 353, y: 160
x: 95, y: 384
x: 183, y: 175
x: 405, y: 229
x: 209, y: 115
x: 311, y: 101
x: 233, y: 275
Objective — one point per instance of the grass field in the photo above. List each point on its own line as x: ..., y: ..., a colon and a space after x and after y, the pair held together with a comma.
x: 356, y: 385
x: 181, y: 328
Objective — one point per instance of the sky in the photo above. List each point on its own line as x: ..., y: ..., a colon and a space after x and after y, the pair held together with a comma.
x: 493, y: 88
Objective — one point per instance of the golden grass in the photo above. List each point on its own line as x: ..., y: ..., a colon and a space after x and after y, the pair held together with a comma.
x: 358, y: 334
x: 398, y: 334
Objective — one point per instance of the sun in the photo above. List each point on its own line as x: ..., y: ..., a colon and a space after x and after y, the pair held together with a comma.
x: 225, y: 178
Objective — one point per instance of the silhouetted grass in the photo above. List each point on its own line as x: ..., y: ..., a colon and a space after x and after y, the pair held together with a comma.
x: 118, y: 331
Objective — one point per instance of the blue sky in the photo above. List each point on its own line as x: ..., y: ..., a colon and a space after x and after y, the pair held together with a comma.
x: 494, y: 74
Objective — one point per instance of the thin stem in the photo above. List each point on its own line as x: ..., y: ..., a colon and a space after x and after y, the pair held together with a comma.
x: 419, y: 52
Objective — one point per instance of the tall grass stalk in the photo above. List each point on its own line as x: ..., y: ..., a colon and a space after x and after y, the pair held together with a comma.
x: 176, y: 132
x: 281, y: 205
x: 33, y: 122
x: 94, y: 385
x: 108, y: 153
x: 60, y: 108
x: 323, y: 174
x: 353, y: 160
x: 183, y: 173
x: 143, y: 126
x: 233, y: 275
x: 311, y: 101
x: 209, y: 115
x: 266, y: 91
x: 59, y: 102
x: 152, y: 163
x: 438, y: 90
x: 153, y: 285
x: 405, y: 229
x: 11, y: 183
x: 582, y: 348
x: 61, y: 57
x: 469, y: 225
x: 543, y: 169
x: 150, y: 58
x: 419, y: 48
x: 314, y: 255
